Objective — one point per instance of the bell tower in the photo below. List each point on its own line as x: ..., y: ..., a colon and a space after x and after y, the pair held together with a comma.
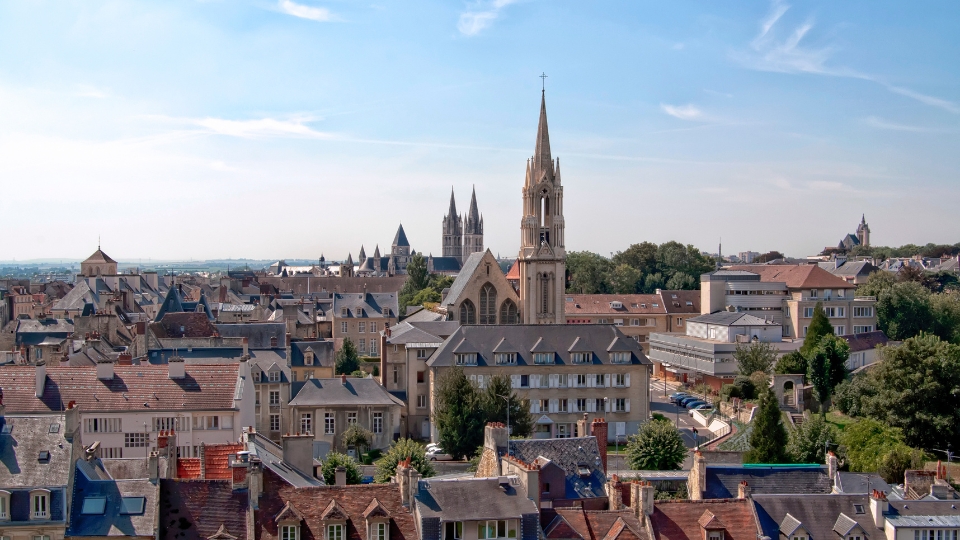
x: 542, y: 257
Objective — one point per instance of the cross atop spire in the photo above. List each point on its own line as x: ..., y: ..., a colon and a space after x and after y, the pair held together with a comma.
x: 543, y: 82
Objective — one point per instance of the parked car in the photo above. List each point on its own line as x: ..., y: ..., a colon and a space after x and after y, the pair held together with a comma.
x: 437, y: 454
x: 684, y: 401
x: 705, y: 409
x: 676, y: 396
x: 432, y: 446
x: 694, y: 403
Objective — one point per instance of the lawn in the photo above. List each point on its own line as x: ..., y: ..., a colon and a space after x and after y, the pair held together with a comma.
x: 839, y: 420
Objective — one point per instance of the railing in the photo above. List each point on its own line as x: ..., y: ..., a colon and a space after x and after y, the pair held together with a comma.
x: 864, y: 298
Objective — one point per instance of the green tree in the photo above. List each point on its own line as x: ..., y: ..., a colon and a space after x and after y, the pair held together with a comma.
x: 904, y: 311
x: 866, y: 441
x: 458, y: 414
x: 755, y: 356
x: 652, y: 282
x: 642, y: 257
x: 424, y: 296
x: 356, y: 436
x: 808, y: 441
x: 819, y: 327
x: 589, y: 272
x: 850, y: 395
x: 625, y: 279
x: 400, y: 450
x: 347, y: 360
x: 673, y: 257
x: 657, y: 446
x: 682, y: 281
x: 876, y: 284
x: 768, y: 440
x: 791, y: 363
x: 417, y: 272
x: 917, y: 389
x: 897, y: 461
x: 826, y: 368
x: 945, y: 311
x: 495, y: 407
x: 336, y: 459
x: 768, y: 256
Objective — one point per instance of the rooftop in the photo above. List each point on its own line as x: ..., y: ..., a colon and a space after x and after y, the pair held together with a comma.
x: 353, y: 392
x: 803, y: 276
x: 473, y: 499
x: 22, y: 440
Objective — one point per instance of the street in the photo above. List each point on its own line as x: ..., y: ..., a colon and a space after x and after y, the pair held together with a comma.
x: 660, y: 403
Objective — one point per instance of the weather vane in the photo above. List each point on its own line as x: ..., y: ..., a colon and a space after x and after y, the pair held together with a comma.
x: 543, y: 79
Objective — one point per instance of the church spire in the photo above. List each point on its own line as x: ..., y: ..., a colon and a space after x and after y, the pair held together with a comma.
x: 474, y: 215
x: 542, y: 160
x: 453, y: 204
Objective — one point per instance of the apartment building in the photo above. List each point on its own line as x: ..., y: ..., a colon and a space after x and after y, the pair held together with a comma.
x: 637, y: 315
x: 361, y: 316
x: 564, y: 370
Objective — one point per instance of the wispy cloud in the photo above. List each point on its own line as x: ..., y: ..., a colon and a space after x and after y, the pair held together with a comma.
x: 260, y: 128
x: 480, y: 16
x: 683, y: 112
x: 823, y: 185
x: 305, y: 12
x: 85, y: 90
x: 880, y: 123
x: 794, y: 54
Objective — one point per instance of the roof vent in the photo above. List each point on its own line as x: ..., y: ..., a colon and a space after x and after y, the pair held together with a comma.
x: 44, y: 455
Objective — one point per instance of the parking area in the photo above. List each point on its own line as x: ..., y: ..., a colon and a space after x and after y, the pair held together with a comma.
x: 660, y: 403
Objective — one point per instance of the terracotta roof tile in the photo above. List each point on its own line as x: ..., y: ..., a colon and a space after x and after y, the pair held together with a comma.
x: 680, y: 520
x: 596, y: 524
x: 197, y: 509
x: 143, y: 387
x: 633, y: 304
x: 803, y: 276
x: 188, y: 468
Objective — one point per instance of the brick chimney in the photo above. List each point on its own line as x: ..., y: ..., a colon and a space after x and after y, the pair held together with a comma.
x: 298, y: 452
x: 614, y: 495
x: 832, y: 466
x: 743, y: 490
x: 641, y: 498
x: 598, y: 428
x: 340, y: 476
x: 495, y: 437
x: 878, y: 507
x: 582, y: 426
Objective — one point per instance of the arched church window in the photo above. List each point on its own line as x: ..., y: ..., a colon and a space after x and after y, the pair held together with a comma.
x: 488, y: 304
x: 468, y: 314
x: 544, y: 293
x: 508, y: 312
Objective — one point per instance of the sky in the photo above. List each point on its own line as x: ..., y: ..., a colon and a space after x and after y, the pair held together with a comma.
x: 295, y: 128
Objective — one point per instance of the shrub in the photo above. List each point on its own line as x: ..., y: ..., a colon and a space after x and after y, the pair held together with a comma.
x: 336, y: 459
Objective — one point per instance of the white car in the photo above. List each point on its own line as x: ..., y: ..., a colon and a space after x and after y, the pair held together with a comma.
x: 437, y: 454
x: 432, y: 446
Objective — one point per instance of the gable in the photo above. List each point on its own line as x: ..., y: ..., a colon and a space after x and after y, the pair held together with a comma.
x: 478, y: 270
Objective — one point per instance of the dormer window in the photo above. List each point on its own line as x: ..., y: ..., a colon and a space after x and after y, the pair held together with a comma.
x: 275, y: 376
x: 543, y: 358
x: 581, y: 357
x: 466, y: 359
x: 256, y: 375
x: 619, y: 358
x: 344, y: 312
x: 289, y: 532
x: 40, y: 504
x: 308, y: 358
x: 507, y: 359
x: 334, y: 531
x: 357, y: 312
x: 379, y: 530
x: 273, y: 341
x: 616, y: 305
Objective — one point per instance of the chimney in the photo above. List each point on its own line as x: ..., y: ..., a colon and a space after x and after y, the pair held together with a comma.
x: 340, y: 476
x: 743, y: 490
x: 495, y: 437
x: 239, y: 468
x: 832, y: 466
x: 246, y: 346
x: 878, y: 507
x: 403, y: 480
x: 255, y: 481
x: 614, y: 495
x: 413, y: 484
x: 202, y: 450
x: 343, y: 379
x: 105, y: 369
x: 153, y: 465
x: 92, y: 452
x: 697, y: 480
x: 177, y: 366
x: 599, y: 430
x: 298, y: 452
x: 641, y: 498
x: 582, y: 426
x: 71, y: 419
x: 41, y: 377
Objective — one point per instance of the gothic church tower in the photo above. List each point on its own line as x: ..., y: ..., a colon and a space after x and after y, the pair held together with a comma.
x: 453, y: 232
x: 473, y: 229
x: 542, y: 257
x: 863, y: 232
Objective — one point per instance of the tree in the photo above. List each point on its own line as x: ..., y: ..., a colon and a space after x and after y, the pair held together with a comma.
x: 642, y: 257
x: 768, y: 441
x: 424, y: 296
x: 876, y: 284
x: 945, y: 312
x: 897, y: 461
x: 347, y: 360
x: 826, y: 368
x: 458, y: 414
x: 756, y: 356
x: 904, y: 311
x: 681, y: 281
x: 850, y: 395
x: 652, y: 282
x: 791, y: 363
x: 657, y: 446
x: 336, y: 459
x: 495, y: 407
x: 417, y: 272
x: 400, y: 450
x: 866, y: 441
x: 625, y: 279
x: 808, y: 440
x: 589, y: 273
x: 768, y: 256
x: 819, y: 327
x: 356, y: 436
x: 917, y: 389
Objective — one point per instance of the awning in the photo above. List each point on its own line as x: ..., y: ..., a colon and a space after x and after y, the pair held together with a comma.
x: 544, y: 420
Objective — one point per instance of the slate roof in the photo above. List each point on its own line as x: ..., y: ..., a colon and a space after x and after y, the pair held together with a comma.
x: 927, y: 513
x: 802, y: 276
x: 323, y: 354
x: 445, y: 264
x: 183, y: 324
x: 816, y: 514
x: 422, y: 331
x: 311, y: 502
x: 400, y: 239
x: 271, y: 455
x: 568, y: 455
x: 723, y: 481
x: 20, y: 450
x: 463, y: 278
x: 77, y: 298
x: 860, y: 483
x: 473, y: 499
x: 866, y: 341
x: 680, y: 520
x: 557, y: 338
x: 333, y: 392
x: 568, y: 523
x: 731, y: 318
x: 143, y: 387
x: 112, y: 522
x: 853, y: 268
x: 370, y: 304
x: 45, y: 326
x: 258, y: 334
x: 196, y: 509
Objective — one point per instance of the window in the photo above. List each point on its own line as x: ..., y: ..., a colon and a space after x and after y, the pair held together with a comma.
x: 378, y: 422
x: 488, y: 304
x: 361, y: 327
x: 256, y: 375
x: 834, y: 311
x: 466, y: 359
x: 274, y: 376
x: 508, y: 313
x: 422, y: 401
x: 357, y: 312
x: 598, y: 380
x: 679, y: 321
x: 39, y: 504
x: 714, y: 535
x: 808, y: 312
x: 329, y: 424
x: 373, y: 327
x: 562, y: 405
x: 581, y: 405
x: 618, y: 322
x: 274, y: 397
x: 131, y: 506
x: 112, y: 453
x: 274, y: 422
x: 581, y: 380
x: 581, y: 357
x: 396, y: 375
x: 468, y: 314
x: 421, y: 377
x: 813, y: 293
x: 524, y: 381
x: 306, y: 423
x: 487, y: 530
x: 4, y: 504
x: 102, y: 425
x: 562, y: 380
x: 863, y: 312
x: 362, y: 346
x: 135, y: 440
x: 862, y: 329
x: 373, y: 346
x: 840, y: 330
x: 506, y: 358
x: 544, y: 405
x: 343, y: 327
x: 805, y: 331
x: 543, y: 358
x: 351, y: 418
x: 378, y: 531
x: 167, y: 423
x: 634, y: 322
x: 620, y: 357
x: 453, y: 530
x: 620, y: 379
x: 598, y: 405
x: 289, y: 532
x: 620, y: 405
x: 421, y: 354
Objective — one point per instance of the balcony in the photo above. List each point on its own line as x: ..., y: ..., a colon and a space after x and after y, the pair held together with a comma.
x: 864, y: 298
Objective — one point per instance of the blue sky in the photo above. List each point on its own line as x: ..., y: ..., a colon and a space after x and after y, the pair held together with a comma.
x: 267, y: 129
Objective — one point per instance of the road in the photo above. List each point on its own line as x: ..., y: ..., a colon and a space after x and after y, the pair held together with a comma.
x: 660, y: 403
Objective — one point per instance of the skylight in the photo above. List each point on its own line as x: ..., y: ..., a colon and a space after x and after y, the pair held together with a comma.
x: 132, y: 505
x: 44, y: 455
x: 858, y: 508
x: 7, y: 428
x: 54, y: 428
x: 93, y: 505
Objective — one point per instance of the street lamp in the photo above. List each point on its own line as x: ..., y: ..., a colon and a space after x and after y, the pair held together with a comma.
x: 507, y: 399
x: 948, y: 453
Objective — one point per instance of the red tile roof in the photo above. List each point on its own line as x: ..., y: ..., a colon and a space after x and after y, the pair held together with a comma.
x: 196, y: 509
x: 217, y: 460
x: 680, y: 520
x: 514, y: 273
x: 311, y: 503
x: 866, y: 341
x: 133, y: 388
x: 180, y: 325
x: 595, y: 524
x: 802, y: 276
x: 188, y: 468
x: 633, y: 304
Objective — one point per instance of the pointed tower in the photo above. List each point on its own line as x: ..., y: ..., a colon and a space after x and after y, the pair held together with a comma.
x: 346, y: 268
x: 542, y: 259
x: 376, y: 260
x: 453, y: 232
x: 863, y: 232
x: 473, y: 229
x: 362, y: 258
